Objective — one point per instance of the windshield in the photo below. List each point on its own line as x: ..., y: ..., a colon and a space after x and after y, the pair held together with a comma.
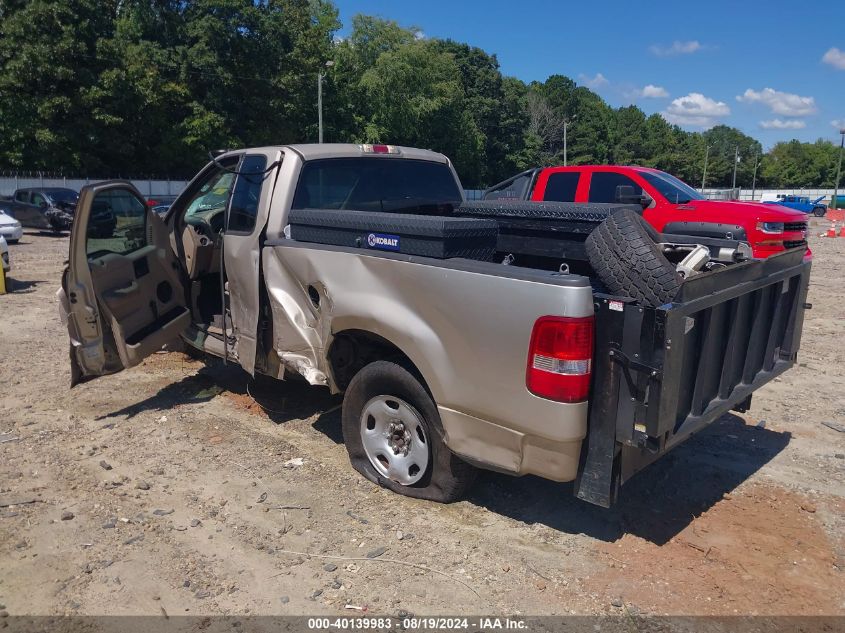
x: 674, y: 190
x: 376, y: 184
x: 62, y: 195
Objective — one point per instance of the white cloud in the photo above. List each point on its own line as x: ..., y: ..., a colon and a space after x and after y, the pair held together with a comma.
x: 835, y: 58
x: 696, y: 110
x: 654, y: 92
x: 783, y: 103
x: 594, y: 83
x: 839, y: 124
x: 677, y: 48
x: 780, y: 124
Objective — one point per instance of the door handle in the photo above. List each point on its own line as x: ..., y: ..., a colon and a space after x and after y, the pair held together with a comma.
x: 125, y: 291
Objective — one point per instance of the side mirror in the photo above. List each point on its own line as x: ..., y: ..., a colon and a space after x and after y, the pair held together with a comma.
x: 626, y: 194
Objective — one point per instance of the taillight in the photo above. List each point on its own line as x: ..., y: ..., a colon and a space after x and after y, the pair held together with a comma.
x: 560, y: 358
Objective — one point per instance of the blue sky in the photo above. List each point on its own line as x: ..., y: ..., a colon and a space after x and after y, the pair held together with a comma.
x: 775, y: 70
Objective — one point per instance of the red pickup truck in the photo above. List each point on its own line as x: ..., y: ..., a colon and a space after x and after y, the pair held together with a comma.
x: 669, y: 204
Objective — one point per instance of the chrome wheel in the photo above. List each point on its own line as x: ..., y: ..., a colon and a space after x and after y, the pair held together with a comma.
x: 395, y: 439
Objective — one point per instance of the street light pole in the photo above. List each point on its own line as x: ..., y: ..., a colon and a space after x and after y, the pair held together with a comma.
x: 320, y: 77
x: 566, y: 123
x: 320, y: 107
x: 704, y: 175
x: 736, y: 162
x: 834, y: 201
x: 754, y: 178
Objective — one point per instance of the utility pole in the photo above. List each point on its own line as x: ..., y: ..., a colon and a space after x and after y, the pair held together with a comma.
x: 320, y: 107
x: 704, y: 175
x: 754, y: 179
x: 320, y: 77
x: 566, y: 123
x: 736, y: 162
x: 834, y: 201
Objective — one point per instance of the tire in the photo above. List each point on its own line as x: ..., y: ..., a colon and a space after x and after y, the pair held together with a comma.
x: 441, y: 476
x: 624, y: 254
x: 819, y: 212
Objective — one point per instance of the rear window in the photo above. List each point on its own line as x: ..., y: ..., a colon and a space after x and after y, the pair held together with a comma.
x: 63, y: 195
x: 514, y: 189
x: 375, y: 184
x: 561, y: 187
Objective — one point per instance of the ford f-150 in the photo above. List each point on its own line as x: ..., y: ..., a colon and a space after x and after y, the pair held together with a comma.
x: 458, y: 339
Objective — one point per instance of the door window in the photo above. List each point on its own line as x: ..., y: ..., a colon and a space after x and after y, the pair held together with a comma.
x: 117, y: 223
x: 603, y: 186
x: 247, y: 193
x: 22, y: 196
x: 38, y: 200
x: 561, y: 186
x: 208, y: 203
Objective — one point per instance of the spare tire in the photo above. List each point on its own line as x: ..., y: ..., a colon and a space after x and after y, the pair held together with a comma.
x: 623, y: 252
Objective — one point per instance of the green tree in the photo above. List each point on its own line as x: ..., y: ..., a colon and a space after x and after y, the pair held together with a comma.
x: 124, y: 87
x: 48, y: 60
x: 629, y: 136
x: 415, y: 98
x: 795, y: 164
x: 495, y: 116
x: 724, y: 142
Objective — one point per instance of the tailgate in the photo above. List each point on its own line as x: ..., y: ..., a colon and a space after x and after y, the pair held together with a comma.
x: 661, y: 374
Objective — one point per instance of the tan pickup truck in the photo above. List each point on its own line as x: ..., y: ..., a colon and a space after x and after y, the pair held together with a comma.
x: 362, y: 269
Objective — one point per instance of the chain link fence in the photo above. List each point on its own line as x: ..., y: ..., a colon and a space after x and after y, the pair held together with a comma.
x: 150, y: 187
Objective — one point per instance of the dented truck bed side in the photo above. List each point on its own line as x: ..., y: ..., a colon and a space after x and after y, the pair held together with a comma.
x: 465, y: 325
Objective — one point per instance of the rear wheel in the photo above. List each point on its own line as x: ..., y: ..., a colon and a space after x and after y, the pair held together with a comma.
x: 393, y: 434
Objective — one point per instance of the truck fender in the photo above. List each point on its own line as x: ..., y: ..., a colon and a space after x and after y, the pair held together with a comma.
x: 424, y: 337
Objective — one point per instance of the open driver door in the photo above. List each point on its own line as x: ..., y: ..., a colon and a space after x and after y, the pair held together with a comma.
x: 122, y: 294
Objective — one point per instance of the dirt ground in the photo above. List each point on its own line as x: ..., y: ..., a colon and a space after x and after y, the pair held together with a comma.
x: 183, y: 488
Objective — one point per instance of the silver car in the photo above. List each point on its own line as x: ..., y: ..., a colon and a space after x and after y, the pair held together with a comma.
x: 10, y: 228
x: 4, y: 255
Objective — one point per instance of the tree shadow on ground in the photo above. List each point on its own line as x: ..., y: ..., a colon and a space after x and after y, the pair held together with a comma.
x: 281, y: 401
x: 657, y: 503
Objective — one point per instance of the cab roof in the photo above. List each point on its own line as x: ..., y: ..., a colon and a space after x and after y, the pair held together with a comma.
x: 312, y: 151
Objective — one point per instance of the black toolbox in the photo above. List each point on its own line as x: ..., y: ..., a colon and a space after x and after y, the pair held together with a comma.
x: 545, y: 229
x: 427, y: 236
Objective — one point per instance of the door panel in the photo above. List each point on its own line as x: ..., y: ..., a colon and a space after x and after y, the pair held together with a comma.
x: 123, y: 292
x: 247, y: 217
x: 26, y: 213
x: 37, y: 207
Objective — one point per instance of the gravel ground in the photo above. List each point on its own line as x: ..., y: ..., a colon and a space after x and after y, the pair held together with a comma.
x: 183, y: 488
